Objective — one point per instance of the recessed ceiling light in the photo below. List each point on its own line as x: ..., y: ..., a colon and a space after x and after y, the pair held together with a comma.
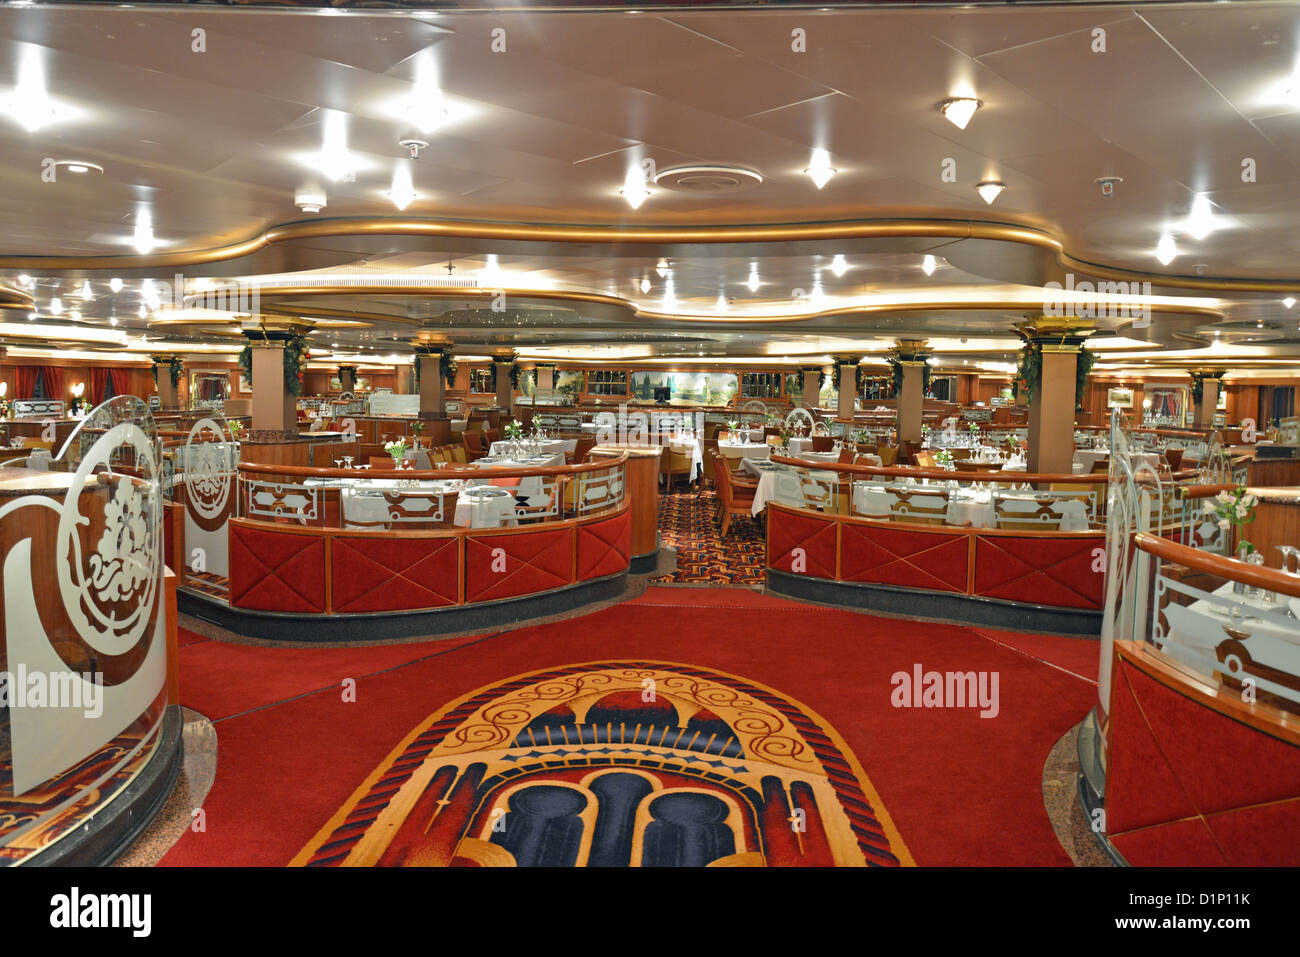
x: 838, y: 265
x: 56, y: 306
x: 929, y: 264
x: 1200, y: 222
x: 662, y: 268
x: 645, y: 285
x: 115, y: 284
x: 820, y: 170
x: 959, y: 110
x: 1288, y: 302
x: 721, y: 304
x: 25, y: 281
x: 87, y: 293
x: 989, y: 190
x: 1166, y: 249
x: 29, y: 104
x: 752, y: 281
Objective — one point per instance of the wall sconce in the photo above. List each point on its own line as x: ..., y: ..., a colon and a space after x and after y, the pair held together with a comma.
x: 4, y: 389
x: 78, y: 389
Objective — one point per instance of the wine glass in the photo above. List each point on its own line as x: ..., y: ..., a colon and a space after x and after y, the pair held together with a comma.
x: 348, y: 459
x: 1288, y: 551
x: 338, y: 463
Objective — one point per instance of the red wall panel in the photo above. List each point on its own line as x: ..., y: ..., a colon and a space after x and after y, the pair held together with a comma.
x: 604, y: 547
x: 886, y: 555
x: 382, y: 574
x: 276, y: 571
x: 504, y: 566
x: 1039, y: 570
x: 787, y: 531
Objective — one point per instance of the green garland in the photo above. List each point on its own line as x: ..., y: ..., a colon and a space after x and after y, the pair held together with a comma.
x: 448, y: 367
x: 1198, y: 388
x: 175, y: 367
x: 514, y: 375
x: 1030, y: 372
x: 296, y: 353
x: 896, y: 370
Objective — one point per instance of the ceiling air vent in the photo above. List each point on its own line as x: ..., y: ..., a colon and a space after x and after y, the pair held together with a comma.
x: 708, y: 178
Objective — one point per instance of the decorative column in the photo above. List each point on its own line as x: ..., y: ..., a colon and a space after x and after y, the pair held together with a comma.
x: 1211, y: 385
x: 912, y: 356
x: 347, y: 378
x: 545, y: 373
x: 502, y: 360
x: 405, y: 384
x: 275, y: 406
x: 812, y: 380
x: 848, y: 386
x: 433, y: 388
x: 168, y: 392
x: 1052, y: 401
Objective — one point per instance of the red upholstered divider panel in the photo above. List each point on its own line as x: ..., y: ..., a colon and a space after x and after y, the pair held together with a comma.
x: 1173, y: 759
x: 1041, y: 571
x: 899, y: 556
x: 787, y: 531
x: 525, y: 563
x: 604, y: 547
x: 379, y: 574
x: 276, y: 571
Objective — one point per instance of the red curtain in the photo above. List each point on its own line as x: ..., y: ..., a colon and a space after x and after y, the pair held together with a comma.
x: 121, y: 383
x: 98, y: 383
x: 25, y: 381
x: 52, y: 381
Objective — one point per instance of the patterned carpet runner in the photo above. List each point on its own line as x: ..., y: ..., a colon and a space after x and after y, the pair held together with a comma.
x: 688, y: 522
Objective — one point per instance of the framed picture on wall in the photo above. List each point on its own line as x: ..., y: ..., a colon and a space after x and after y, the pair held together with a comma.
x: 1119, y: 398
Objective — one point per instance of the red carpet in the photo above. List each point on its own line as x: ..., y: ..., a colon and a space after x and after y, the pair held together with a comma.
x: 961, y: 789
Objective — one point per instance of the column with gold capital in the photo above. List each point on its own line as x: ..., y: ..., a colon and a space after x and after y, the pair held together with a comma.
x: 1211, y: 381
x: 1053, y: 396
x: 913, y: 357
x: 812, y: 384
x: 278, y: 348
x: 429, y: 351
x: 848, y: 366
x: 503, y: 361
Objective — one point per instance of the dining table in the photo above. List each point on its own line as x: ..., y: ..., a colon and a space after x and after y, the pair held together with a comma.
x: 363, y: 503
x: 967, y: 507
x: 504, y: 448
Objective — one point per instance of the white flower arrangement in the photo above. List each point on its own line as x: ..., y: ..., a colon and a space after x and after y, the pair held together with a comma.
x: 943, y: 458
x: 397, y: 449
x: 1236, y: 507
x: 514, y: 430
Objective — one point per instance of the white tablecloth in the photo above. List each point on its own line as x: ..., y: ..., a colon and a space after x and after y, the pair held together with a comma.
x: 741, y: 450
x: 967, y: 508
x: 799, y: 444
x: 1084, y: 459
x: 364, y: 506
x: 691, y: 446
x: 546, y: 446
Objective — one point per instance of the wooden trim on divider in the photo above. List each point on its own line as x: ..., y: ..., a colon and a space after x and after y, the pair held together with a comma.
x: 1262, y: 717
x: 971, y: 550
x: 942, y: 475
x: 307, y: 471
x: 1197, y: 559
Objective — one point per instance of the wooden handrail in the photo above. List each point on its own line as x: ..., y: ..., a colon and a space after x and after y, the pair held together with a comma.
x: 943, y: 475
x: 1202, y: 561
x: 307, y: 471
x: 1204, y: 491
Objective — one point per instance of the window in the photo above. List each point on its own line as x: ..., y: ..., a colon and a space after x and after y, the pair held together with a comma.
x: 607, y: 382
x: 944, y: 388
x: 480, y: 380
x: 760, y: 385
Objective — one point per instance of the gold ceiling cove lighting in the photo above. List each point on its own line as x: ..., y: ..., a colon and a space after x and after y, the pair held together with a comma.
x: 960, y: 109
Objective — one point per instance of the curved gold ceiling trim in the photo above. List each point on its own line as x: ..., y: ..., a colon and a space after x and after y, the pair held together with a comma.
x: 284, y: 292
x: 569, y: 233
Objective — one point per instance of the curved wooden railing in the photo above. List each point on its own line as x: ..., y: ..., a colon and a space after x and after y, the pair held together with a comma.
x: 1199, y: 560
x: 428, y: 475
x: 943, y: 475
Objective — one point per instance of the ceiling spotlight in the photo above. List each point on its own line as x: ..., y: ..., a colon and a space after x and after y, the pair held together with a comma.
x: 31, y: 316
x: 820, y: 170
x: 143, y: 313
x: 87, y: 294
x: 959, y: 110
x: 115, y: 284
x: 150, y: 294
x: 662, y: 268
x: 634, y: 188
x: 989, y: 190
x: 402, y: 193
x: 56, y: 306
x: 334, y: 159
x: 721, y: 304
x: 929, y: 264
x: 309, y: 200
x: 839, y: 266
x: 25, y: 281
x: 1166, y: 250
x: 142, y: 238
x: 29, y: 104
x: 425, y: 108
x: 112, y: 320
x: 645, y: 285
x: 1200, y: 222
x: 752, y: 281
x: 1288, y: 302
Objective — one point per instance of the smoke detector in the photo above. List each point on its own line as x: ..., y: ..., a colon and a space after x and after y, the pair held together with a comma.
x: 309, y: 200
x: 1108, y: 184
x: 413, y: 146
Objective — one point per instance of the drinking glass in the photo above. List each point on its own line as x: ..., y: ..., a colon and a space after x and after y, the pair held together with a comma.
x: 348, y: 460
x: 338, y: 463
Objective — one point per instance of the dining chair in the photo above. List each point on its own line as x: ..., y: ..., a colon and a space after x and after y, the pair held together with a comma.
x: 823, y: 443
x: 731, y: 502
x: 888, y: 455
x: 473, y: 445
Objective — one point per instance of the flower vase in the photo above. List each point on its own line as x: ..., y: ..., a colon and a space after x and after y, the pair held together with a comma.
x: 1243, y: 555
